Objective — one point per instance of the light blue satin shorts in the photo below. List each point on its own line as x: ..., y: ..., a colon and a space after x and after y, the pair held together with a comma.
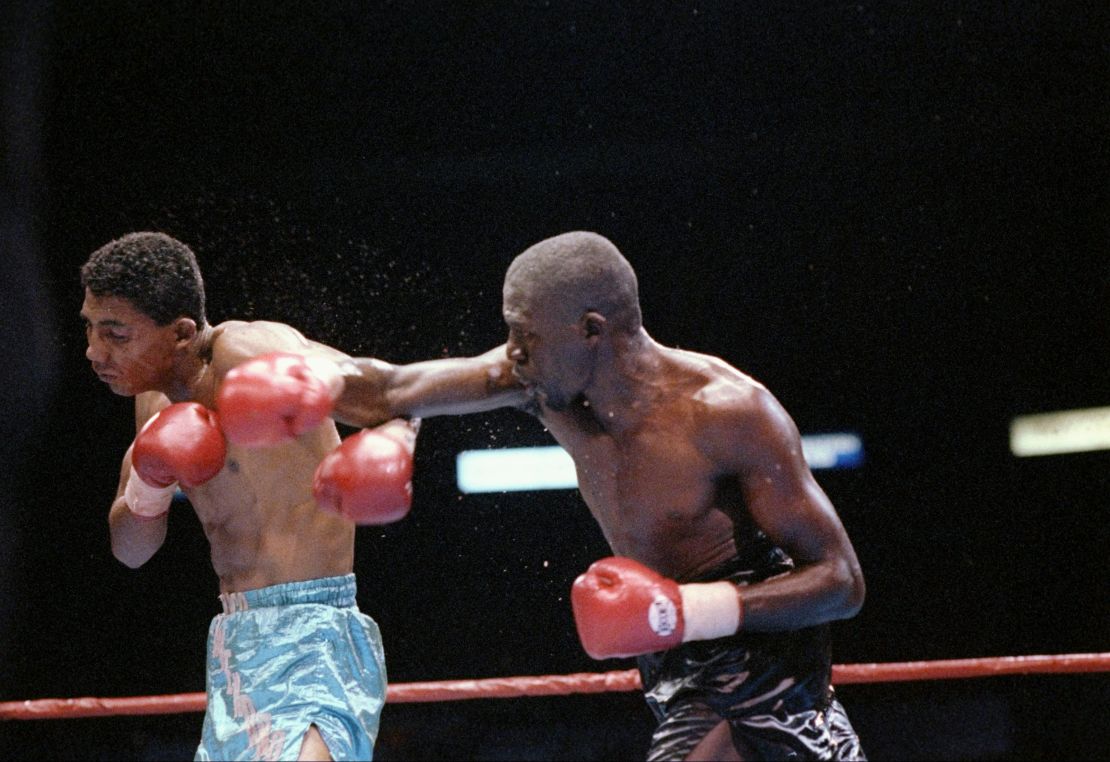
x: 285, y: 657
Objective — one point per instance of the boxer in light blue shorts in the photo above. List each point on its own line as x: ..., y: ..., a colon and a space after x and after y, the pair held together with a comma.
x: 285, y: 657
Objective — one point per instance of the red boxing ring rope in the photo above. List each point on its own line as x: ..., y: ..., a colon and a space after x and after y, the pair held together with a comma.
x: 563, y: 685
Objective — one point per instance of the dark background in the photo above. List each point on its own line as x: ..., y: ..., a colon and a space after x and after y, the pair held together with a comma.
x: 893, y: 215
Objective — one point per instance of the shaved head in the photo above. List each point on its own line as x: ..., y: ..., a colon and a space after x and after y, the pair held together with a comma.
x: 575, y: 273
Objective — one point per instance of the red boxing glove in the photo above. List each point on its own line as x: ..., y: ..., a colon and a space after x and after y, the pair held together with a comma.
x: 181, y: 443
x: 368, y: 478
x: 276, y: 397
x: 623, y: 608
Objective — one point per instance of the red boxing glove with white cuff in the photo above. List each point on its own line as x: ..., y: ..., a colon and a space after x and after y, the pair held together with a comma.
x: 368, y: 478
x: 622, y: 608
x: 276, y: 397
x: 180, y: 444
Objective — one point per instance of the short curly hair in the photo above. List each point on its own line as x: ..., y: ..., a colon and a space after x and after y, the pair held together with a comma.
x: 158, y: 274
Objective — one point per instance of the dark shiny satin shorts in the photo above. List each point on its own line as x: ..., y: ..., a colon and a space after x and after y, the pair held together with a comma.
x: 772, y: 688
x: 813, y: 734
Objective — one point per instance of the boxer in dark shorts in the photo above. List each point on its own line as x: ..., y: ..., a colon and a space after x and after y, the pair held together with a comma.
x: 684, y: 461
x: 773, y: 691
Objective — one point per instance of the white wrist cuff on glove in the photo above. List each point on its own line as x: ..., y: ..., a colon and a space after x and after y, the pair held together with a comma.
x: 709, y: 610
x: 146, y: 501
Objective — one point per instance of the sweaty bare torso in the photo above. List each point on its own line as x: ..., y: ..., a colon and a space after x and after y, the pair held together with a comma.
x: 259, y: 513
x: 654, y: 487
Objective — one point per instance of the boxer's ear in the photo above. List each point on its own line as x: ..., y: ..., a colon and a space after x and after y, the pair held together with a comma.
x: 184, y: 330
x: 592, y: 325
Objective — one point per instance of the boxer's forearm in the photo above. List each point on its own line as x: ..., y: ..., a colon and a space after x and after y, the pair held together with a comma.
x: 451, y: 386
x: 810, y: 595
x: 134, y: 538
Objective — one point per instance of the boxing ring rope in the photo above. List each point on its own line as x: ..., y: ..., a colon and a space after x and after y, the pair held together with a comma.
x: 563, y: 685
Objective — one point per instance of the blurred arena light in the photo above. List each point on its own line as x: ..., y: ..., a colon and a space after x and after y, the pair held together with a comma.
x: 537, y: 468
x: 1065, y: 431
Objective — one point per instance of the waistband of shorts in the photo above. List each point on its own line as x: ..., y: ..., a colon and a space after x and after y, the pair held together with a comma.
x: 329, y: 591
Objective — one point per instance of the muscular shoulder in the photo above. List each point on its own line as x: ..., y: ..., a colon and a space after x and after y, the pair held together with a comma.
x: 236, y: 340
x: 720, y: 388
x: 736, y: 415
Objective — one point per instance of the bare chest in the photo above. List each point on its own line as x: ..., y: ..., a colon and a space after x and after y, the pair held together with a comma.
x: 262, y: 523
x: 642, y: 485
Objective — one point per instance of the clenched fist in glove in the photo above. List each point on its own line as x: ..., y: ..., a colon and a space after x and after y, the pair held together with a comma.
x: 275, y: 397
x: 180, y: 444
x: 368, y: 478
x: 623, y: 608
